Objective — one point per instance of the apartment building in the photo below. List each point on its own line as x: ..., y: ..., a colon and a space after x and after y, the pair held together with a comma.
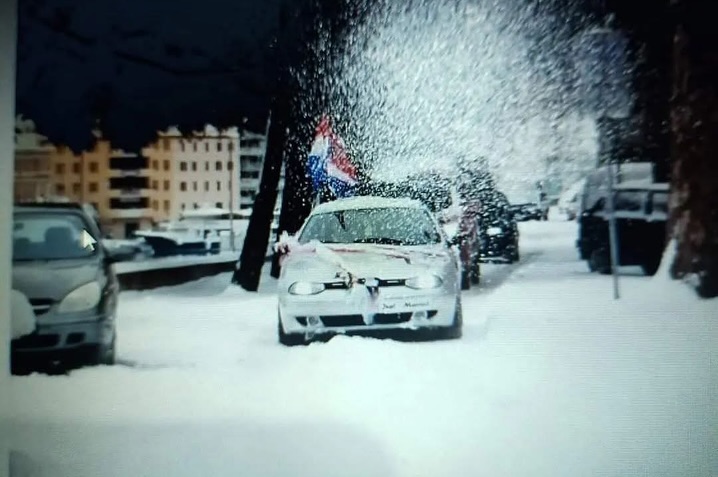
x: 203, y: 171
x: 132, y: 191
x: 251, y: 162
x: 32, y: 163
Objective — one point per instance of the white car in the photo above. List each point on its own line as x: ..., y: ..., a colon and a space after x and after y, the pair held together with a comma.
x: 368, y: 264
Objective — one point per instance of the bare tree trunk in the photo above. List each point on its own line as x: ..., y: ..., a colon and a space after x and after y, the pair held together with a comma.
x: 256, y: 241
x: 650, y: 38
x: 694, y: 204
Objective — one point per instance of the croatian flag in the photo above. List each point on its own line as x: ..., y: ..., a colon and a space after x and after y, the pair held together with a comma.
x: 328, y: 163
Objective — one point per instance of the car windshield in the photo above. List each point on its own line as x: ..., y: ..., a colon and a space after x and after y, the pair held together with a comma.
x: 389, y: 226
x: 51, y: 236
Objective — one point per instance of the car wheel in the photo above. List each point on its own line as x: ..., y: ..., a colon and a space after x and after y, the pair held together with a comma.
x: 651, y: 268
x: 465, y: 280
x: 288, y: 339
x: 475, y: 275
x: 600, y: 261
x: 513, y: 254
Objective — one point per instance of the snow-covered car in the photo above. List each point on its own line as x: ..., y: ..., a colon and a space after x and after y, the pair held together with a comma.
x: 128, y: 249
x: 368, y: 264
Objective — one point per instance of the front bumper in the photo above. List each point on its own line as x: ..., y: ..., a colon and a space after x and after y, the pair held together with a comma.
x: 339, y: 311
x: 65, y: 337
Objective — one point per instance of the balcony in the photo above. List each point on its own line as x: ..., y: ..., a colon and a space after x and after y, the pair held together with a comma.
x: 128, y: 163
x: 129, y: 213
x: 130, y: 183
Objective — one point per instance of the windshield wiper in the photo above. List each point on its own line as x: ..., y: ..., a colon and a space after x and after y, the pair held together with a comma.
x: 380, y: 240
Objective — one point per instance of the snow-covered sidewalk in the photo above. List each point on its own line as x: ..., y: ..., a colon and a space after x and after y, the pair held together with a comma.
x: 552, y: 378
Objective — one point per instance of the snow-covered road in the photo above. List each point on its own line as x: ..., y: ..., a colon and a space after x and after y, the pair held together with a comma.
x: 552, y: 378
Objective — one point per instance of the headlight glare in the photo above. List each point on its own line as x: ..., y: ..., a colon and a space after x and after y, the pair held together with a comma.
x: 82, y: 298
x: 306, y: 288
x: 423, y: 282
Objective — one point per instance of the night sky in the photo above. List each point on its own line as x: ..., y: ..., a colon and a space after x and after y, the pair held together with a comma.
x: 140, y: 66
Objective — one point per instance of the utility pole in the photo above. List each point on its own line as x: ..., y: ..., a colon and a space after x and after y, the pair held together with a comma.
x: 232, y: 173
x: 613, y: 232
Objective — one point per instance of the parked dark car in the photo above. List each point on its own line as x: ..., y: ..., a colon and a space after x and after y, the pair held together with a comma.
x: 498, y: 231
x: 529, y: 211
x: 66, y: 274
x: 641, y: 214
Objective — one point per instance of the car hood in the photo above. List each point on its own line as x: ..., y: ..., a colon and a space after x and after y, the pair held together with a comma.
x: 329, y: 262
x: 53, y: 279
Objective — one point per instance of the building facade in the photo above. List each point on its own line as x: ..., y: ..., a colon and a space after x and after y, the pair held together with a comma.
x: 251, y: 163
x: 133, y: 191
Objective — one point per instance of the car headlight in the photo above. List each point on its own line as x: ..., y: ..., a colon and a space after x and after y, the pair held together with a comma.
x: 423, y: 282
x: 492, y: 231
x: 306, y: 288
x: 81, y: 298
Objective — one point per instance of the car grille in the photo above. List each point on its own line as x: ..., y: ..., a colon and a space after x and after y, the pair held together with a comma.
x: 338, y: 321
x: 391, y: 318
x: 342, y: 320
x: 41, y: 305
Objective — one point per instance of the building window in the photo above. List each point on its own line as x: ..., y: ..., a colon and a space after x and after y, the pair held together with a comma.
x: 166, y: 143
x: 219, y: 146
x: 183, y: 186
x: 230, y: 146
x: 154, y: 185
x: 93, y: 167
x: 219, y: 205
x: 194, y: 186
x: 196, y: 206
x: 206, y: 166
x: 218, y: 165
x: 76, y: 168
x: 206, y: 186
x: 155, y: 165
x: 60, y: 188
x: 167, y: 185
x: 167, y: 206
x: 92, y: 186
x: 206, y: 147
x: 154, y: 205
x: 76, y: 188
x: 230, y: 166
x: 182, y: 206
x: 183, y: 166
x: 166, y: 165
x: 194, y: 146
x: 219, y: 185
x: 182, y: 145
x: 60, y: 168
x: 194, y: 166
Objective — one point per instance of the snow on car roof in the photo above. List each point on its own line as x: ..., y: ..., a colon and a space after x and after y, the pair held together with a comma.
x: 642, y: 185
x: 366, y: 202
